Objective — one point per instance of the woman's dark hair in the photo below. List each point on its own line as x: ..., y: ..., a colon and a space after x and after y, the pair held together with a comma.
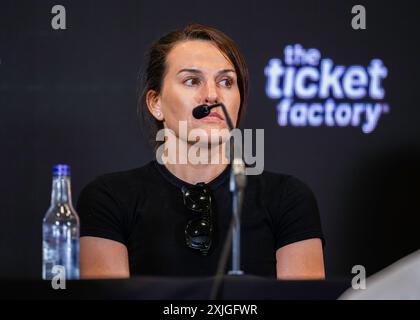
x: 152, y: 78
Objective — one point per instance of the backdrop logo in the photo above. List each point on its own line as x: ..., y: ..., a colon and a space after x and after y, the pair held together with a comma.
x: 314, y: 91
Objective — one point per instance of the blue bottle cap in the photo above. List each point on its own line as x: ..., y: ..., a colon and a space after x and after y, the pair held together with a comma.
x: 61, y: 170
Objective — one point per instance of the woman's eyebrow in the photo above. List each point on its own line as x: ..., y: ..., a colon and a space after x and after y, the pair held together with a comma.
x: 225, y: 71
x: 196, y: 71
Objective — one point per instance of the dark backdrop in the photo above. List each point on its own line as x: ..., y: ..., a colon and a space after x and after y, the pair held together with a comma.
x: 69, y: 96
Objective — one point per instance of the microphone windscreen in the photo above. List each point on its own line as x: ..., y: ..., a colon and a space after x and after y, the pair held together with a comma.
x: 201, y: 111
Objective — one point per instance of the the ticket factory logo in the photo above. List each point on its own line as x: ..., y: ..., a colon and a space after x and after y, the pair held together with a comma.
x: 315, y: 92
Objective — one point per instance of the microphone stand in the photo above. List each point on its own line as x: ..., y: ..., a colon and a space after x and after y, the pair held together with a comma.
x: 237, y: 187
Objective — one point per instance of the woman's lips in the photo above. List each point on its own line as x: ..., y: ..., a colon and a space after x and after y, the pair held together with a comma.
x: 214, y: 115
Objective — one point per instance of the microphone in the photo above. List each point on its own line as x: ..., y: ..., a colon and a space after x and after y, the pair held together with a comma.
x: 201, y: 111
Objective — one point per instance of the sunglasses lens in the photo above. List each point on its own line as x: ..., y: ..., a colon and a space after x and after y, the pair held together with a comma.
x: 197, y: 201
x: 198, y: 234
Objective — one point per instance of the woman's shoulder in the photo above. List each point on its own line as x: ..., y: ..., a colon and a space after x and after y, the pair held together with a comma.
x: 124, y: 180
x: 278, y: 185
x: 277, y: 178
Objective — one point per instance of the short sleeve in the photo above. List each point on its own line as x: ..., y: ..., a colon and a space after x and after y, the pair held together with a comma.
x: 100, y: 213
x: 295, y: 214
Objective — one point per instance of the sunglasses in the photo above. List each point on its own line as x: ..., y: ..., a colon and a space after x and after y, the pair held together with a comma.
x: 199, y: 229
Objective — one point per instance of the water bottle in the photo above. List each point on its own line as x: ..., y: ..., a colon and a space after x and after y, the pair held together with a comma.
x: 60, y: 229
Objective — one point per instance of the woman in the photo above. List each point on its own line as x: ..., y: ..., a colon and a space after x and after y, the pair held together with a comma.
x: 171, y: 219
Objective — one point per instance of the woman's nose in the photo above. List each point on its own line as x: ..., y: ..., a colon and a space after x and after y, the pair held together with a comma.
x: 211, y: 93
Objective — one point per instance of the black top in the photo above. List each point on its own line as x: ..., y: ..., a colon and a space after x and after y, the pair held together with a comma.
x: 144, y: 209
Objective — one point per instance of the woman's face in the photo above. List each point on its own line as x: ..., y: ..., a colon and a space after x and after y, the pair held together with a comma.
x: 197, y: 73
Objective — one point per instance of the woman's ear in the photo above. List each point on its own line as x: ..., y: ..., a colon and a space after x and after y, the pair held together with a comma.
x: 153, y: 104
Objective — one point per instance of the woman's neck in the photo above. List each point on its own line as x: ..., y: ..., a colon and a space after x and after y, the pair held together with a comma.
x: 194, y: 174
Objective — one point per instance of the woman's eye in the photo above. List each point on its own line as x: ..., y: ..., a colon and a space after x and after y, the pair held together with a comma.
x: 192, y: 81
x: 227, y: 82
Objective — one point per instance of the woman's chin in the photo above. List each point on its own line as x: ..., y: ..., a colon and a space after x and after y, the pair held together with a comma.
x: 213, y: 134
